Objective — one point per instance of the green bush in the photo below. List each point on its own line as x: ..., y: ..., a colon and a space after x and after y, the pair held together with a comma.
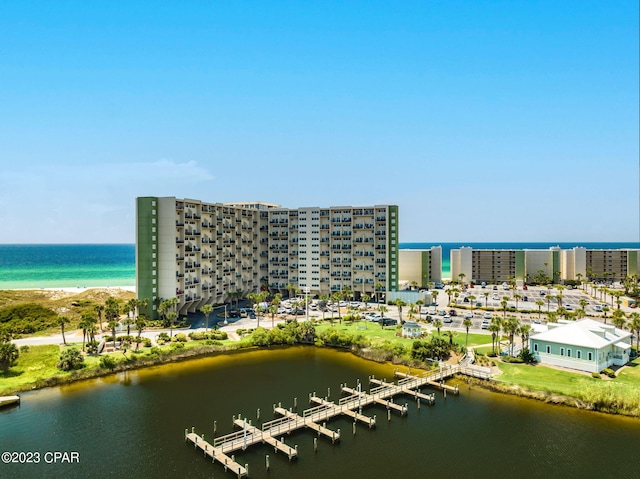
x: 595, y: 375
x: 155, y: 351
x: 27, y: 318
x: 609, y: 372
x: 107, y: 362
x: 177, y: 345
x: 24, y: 349
x: 180, y: 337
x: 70, y: 359
x: 164, y: 337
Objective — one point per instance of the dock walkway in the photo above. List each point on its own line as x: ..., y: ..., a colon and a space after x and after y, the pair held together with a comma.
x: 350, y: 405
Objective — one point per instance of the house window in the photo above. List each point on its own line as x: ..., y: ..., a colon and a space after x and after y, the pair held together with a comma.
x: 568, y: 352
x: 548, y: 349
x: 579, y: 354
x: 535, y: 347
x: 561, y: 351
x: 590, y: 356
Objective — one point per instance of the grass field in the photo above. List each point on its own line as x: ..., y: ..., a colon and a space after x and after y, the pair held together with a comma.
x: 377, y: 334
x: 621, y: 393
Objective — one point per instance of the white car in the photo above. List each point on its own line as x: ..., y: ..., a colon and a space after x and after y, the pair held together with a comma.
x: 485, y: 323
x: 598, y: 308
x: 487, y: 316
x: 468, y: 316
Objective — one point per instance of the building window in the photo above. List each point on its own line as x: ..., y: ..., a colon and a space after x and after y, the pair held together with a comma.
x: 153, y: 221
x: 153, y: 272
x: 568, y: 353
x: 154, y: 280
x: 153, y: 246
x: 153, y: 256
x: 579, y: 354
x: 548, y: 349
x: 153, y: 264
x: 153, y: 230
x: 154, y: 290
x: 561, y: 351
x: 153, y: 238
x: 590, y: 356
x: 535, y: 347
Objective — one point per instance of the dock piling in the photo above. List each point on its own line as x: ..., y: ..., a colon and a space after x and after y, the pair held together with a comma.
x: 315, y: 444
x: 266, y: 460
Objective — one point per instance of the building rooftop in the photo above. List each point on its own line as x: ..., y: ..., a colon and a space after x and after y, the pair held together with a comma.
x: 586, y: 333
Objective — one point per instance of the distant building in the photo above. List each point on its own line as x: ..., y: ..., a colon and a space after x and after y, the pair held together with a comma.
x: 420, y: 266
x: 201, y: 253
x: 500, y: 265
x: 585, y: 345
x: 411, y: 329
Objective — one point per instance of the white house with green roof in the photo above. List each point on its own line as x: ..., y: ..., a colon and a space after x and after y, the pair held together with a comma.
x: 585, y: 345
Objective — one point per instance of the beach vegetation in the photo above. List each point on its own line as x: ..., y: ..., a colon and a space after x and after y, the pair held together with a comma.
x: 27, y: 318
x: 70, y: 359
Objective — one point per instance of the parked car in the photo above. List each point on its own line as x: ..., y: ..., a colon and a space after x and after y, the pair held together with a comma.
x: 487, y: 315
x: 485, y: 324
x: 597, y: 308
x: 542, y: 292
x: 252, y: 315
x: 525, y: 298
x: 468, y: 315
x: 524, y: 287
x: 389, y: 321
x: 447, y: 319
x: 441, y: 312
x: 452, y: 312
x: 568, y: 307
x: 495, y: 287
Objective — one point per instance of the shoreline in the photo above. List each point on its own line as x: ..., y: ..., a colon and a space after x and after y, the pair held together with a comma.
x: 238, y: 347
x: 76, y: 289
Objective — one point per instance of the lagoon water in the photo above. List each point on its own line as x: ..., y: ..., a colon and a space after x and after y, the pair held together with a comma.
x: 132, y: 425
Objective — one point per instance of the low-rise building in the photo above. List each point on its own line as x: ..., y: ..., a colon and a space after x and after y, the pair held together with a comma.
x: 585, y: 345
x: 411, y: 329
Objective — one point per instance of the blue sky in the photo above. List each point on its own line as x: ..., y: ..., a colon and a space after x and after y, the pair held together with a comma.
x: 483, y: 121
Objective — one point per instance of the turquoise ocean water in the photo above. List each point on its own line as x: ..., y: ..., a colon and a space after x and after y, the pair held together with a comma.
x: 66, y: 265
x: 72, y: 265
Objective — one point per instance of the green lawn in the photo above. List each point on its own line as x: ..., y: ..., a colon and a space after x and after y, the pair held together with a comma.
x: 623, y: 391
x: 39, y: 362
x: 377, y: 335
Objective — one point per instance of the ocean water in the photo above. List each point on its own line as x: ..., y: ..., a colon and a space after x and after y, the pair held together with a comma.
x: 66, y: 265
x: 73, y: 265
x: 447, y: 247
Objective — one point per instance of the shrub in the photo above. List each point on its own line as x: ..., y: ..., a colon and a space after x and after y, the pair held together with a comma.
x: 70, y: 359
x: 177, y: 345
x: 609, y: 372
x: 595, y: 375
x: 219, y: 335
x: 27, y: 318
x: 107, y: 362
x: 24, y: 349
x: 92, y: 347
x: 146, y: 342
x: 180, y: 337
x: 155, y: 351
x: 164, y: 336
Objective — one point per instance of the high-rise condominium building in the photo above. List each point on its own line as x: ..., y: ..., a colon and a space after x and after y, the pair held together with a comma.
x: 498, y: 265
x: 200, y: 253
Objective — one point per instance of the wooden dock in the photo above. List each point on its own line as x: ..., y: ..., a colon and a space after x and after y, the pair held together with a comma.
x: 315, y: 418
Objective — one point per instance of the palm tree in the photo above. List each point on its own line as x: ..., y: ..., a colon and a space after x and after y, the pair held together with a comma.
x: 399, y: 304
x: 434, y: 295
x: 504, y: 303
x: 461, y: 276
x: 112, y: 313
x: 290, y: 287
x: 494, y: 328
x: 324, y: 298
x: 383, y: 309
x: 467, y: 323
x: 472, y: 301
x: 419, y: 304
x: 486, y: 297
x: 99, y: 308
x: 579, y: 276
x: 171, y: 316
x: 517, y: 297
x: 365, y: 298
x: 583, y: 303
x: 497, y: 323
x: 539, y: 303
x: 86, y: 324
x: 273, y: 308
x: 377, y: 289
x: 511, y: 327
x: 525, y: 330
x: 618, y: 319
x: 605, y: 308
x: 207, y: 309
x: 437, y: 324
x: 634, y: 325
x: 141, y: 323
x: 336, y: 298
